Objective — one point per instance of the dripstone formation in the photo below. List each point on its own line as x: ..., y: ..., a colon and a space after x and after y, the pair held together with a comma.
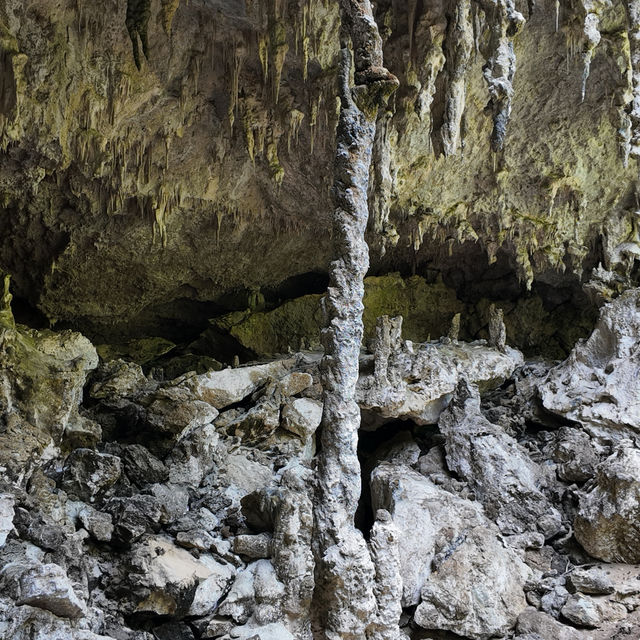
x: 319, y: 320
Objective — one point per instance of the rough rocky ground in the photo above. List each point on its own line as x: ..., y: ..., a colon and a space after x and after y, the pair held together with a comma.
x: 501, y: 496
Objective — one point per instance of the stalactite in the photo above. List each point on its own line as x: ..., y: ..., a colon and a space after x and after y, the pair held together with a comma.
x: 235, y: 64
x: 277, y: 171
x: 591, y: 40
x: 345, y: 574
x: 263, y: 53
x: 459, y: 43
x: 295, y: 121
x: 279, y: 49
x: 169, y: 8
x: 137, y: 21
x: 504, y: 24
x: 633, y: 31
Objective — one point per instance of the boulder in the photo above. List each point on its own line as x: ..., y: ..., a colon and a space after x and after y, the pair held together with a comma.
x: 133, y: 517
x: 598, y: 384
x: 222, y: 388
x: 141, y: 466
x: 460, y: 574
x: 172, y: 410
x: 211, y: 590
x: 89, y: 475
x: 476, y: 590
x: 607, y: 524
x: 47, y: 586
x: 255, y: 595
x: 164, y: 578
x: 538, y: 625
x: 500, y: 472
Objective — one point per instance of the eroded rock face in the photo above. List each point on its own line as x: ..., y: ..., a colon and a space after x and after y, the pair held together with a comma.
x: 598, y: 385
x: 457, y: 571
x: 504, y: 478
x: 607, y: 524
x: 417, y: 381
x: 193, y: 518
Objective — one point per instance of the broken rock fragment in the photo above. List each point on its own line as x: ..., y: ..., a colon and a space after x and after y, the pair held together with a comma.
x: 504, y: 478
x: 608, y: 521
x: 47, y: 586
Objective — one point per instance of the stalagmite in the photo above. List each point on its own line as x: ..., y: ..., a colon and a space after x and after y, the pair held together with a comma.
x: 345, y: 574
x: 459, y: 46
x: 504, y: 23
x: 385, y: 551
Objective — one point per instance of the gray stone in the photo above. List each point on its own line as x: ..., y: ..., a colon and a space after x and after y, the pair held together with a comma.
x: 582, y: 612
x: 133, y: 517
x: 211, y: 590
x: 253, y: 546
x: 89, y: 475
x: 598, y: 385
x: 47, y: 587
x: 592, y: 580
x: 458, y: 572
x: 141, y: 466
x: 500, y: 472
x: 222, y: 388
x: 416, y: 381
x: 7, y: 502
x: 542, y: 625
x: 97, y: 523
x: 607, y: 524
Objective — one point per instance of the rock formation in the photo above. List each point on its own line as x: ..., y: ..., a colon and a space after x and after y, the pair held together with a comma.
x: 241, y: 401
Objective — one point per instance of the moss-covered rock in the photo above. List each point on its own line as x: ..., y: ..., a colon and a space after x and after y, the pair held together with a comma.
x: 427, y: 310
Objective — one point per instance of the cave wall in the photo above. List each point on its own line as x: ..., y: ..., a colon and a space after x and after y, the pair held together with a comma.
x: 207, y: 171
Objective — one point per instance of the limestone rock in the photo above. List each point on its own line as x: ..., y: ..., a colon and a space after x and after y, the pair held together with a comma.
x: 598, y: 385
x: 534, y: 624
x: 302, y: 417
x: 211, y: 590
x: 477, y: 590
x: 89, y: 475
x: 457, y: 565
x: 608, y: 521
x: 256, y: 593
x: 141, y: 466
x: 582, y: 612
x: 504, y: 478
x: 173, y: 410
x: 222, y: 388
x: 97, y: 523
x: 165, y: 578
x: 117, y: 379
x: 271, y: 631
x: 193, y: 456
x: 591, y: 580
x: 133, y: 517
x: 47, y: 587
x: 416, y: 381
x: 6, y: 517
x: 254, y: 546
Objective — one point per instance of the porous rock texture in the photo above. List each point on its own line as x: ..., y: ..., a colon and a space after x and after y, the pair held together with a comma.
x: 192, y: 466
